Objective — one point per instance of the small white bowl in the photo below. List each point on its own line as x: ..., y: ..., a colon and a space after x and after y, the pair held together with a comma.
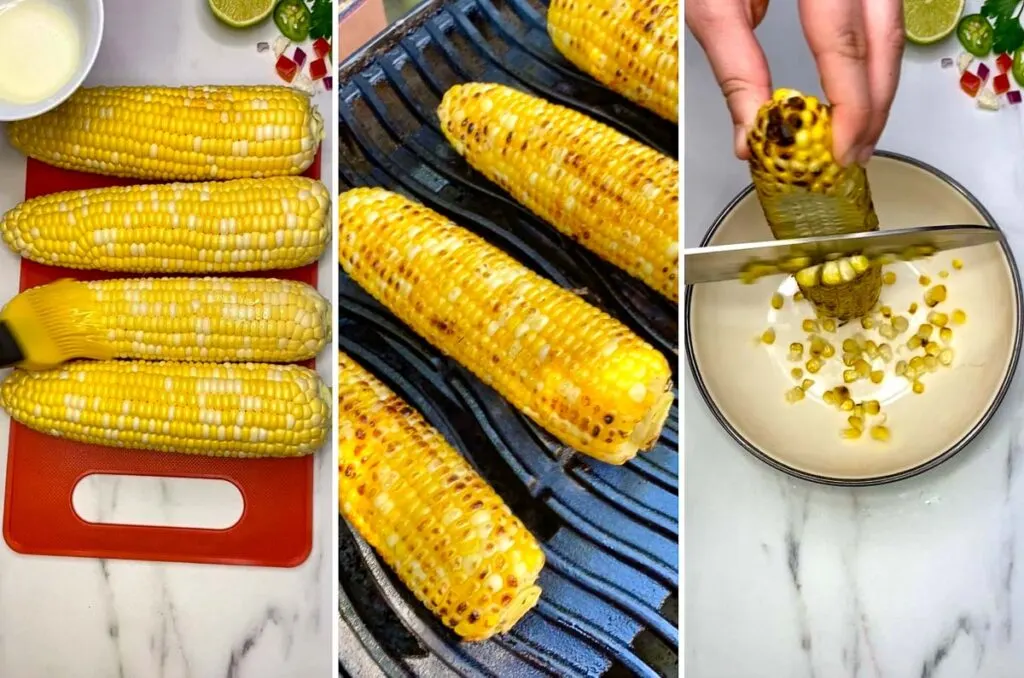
x: 88, y: 17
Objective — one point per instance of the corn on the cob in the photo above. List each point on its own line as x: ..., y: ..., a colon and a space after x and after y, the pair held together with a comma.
x: 213, y: 227
x: 574, y: 370
x: 630, y: 46
x: 805, y: 192
x: 231, y: 410
x: 437, y: 524
x: 615, y: 196
x: 201, y: 319
x: 176, y: 133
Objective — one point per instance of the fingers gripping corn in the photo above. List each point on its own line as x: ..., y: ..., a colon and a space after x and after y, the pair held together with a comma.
x: 574, y: 370
x: 805, y: 192
x: 613, y: 195
x: 437, y: 524
x: 231, y: 410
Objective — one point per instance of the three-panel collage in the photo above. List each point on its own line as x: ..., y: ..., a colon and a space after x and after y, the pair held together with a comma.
x: 511, y: 338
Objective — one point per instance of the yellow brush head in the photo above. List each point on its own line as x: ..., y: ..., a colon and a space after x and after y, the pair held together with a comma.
x: 55, y: 323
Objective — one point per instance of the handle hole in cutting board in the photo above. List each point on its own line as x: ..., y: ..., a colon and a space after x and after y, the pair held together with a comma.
x: 155, y: 501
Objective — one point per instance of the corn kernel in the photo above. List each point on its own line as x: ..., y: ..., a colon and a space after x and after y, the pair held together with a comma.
x: 867, y: 322
x: 855, y: 422
x: 880, y: 433
x: 810, y: 325
x: 877, y: 376
x: 830, y: 397
x: 871, y: 349
x: 828, y: 351
x: 858, y: 410
x: 813, y: 365
x: 932, y: 349
x: 957, y: 264
x: 917, y: 363
x: 807, y: 384
x: 778, y: 301
x: 943, y: 274
x: 918, y: 387
x: 846, y: 405
x: 901, y: 368
x: 959, y: 317
x: 887, y: 331
x: 931, y: 363
x: 946, y: 357
x: 796, y: 373
x: 935, y: 295
x: 794, y: 395
x: 873, y: 407
x: 850, y: 376
x: 900, y: 324
x: 885, y: 350
x: 946, y: 335
x: 863, y: 368
x: 889, y: 278
x: 799, y: 296
x: 912, y: 309
x: 851, y: 433
x: 817, y: 345
x: 924, y: 331
x: 938, y: 318
x: 768, y: 336
x: 924, y: 281
x: 850, y: 358
x: 828, y: 324
x: 914, y: 343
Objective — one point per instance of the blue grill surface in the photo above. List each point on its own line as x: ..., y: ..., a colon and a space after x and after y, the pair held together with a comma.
x: 609, y: 606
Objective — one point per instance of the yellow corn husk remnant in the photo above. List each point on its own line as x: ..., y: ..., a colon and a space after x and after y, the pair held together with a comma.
x: 229, y: 410
x: 576, y: 371
x: 631, y: 47
x: 176, y: 133
x: 447, y: 535
x: 613, y: 195
x: 215, y: 227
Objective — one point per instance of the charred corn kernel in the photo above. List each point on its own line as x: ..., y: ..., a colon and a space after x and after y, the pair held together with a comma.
x: 796, y: 373
x: 850, y: 376
x: 932, y: 349
x: 943, y: 274
x: 842, y: 391
x: 795, y: 394
x: 576, y: 371
x: 946, y: 334
x: 807, y: 384
x: 637, y: 55
x: 885, y: 351
x: 214, y: 227
x: 176, y: 133
x: 946, y: 357
x: 447, y: 535
x: 900, y: 324
x: 925, y: 331
x: 889, y: 278
x: 937, y: 318
x: 846, y: 405
x: 957, y: 264
x: 830, y: 398
x: 872, y: 407
x: 901, y: 368
x: 924, y: 281
x: 918, y: 387
x: 912, y: 309
x: 201, y: 319
x: 768, y: 336
x: 613, y: 195
x: 886, y: 311
x: 877, y: 376
x: 851, y: 433
x: 810, y: 325
x: 814, y: 365
x: 777, y: 301
x: 959, y: 317
x: 229, y: 410
x: 856, y: 422
x: 935, y: 295
x: 887, y: 331
x: 803, y: 191
x: 880, y: 433
x: 828, y: 324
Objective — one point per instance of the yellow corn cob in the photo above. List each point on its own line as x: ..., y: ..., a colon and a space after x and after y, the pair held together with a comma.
x: 437, y: 524
x: 208, y: 319
x: 232, y: 410
x: 615, y: 196
x: 805, y: 192
x: 176, y: 133
x: 630, y: 46
x: 213, y: 227
x: 576, y: 371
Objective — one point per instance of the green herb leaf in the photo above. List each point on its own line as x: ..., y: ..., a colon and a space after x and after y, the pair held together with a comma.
x: 322, y: 21
x: 1009, y: 35
x: 996, y: 9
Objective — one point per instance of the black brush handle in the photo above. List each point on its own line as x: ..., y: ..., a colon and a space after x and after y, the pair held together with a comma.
x: 10, y: 352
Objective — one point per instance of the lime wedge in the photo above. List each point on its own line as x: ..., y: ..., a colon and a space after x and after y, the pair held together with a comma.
x: 928, y: 21
x: 241, y: 13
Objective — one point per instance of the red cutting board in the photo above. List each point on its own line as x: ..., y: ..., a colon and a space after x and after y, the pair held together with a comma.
x: 276, y: 526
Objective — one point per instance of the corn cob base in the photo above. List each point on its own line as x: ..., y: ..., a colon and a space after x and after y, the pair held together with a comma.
x: 848, y: 300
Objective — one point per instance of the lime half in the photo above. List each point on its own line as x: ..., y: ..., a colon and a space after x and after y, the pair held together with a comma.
x: 928, y: 21
x: 242, y: 13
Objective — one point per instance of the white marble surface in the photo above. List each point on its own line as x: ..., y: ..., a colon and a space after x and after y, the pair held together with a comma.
x: 786, y: 579
x: 84, y: 618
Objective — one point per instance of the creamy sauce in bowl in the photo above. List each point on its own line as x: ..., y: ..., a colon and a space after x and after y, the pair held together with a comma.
x: 40, y: 49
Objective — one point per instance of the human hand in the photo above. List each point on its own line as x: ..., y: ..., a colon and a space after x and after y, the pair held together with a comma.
x: 857, y: 46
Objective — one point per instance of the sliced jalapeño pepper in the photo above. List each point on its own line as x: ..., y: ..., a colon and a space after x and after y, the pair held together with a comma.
x: 292, y: 18
x: 975, y: 34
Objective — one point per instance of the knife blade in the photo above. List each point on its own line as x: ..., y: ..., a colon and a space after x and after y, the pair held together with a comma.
x: 753, y: 259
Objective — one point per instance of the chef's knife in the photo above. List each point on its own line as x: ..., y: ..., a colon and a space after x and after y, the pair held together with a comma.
x: 753, y: 259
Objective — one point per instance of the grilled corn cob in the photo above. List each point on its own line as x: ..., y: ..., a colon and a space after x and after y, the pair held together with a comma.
x: 214, y: 227
x: 176, y: 133
x: 232, y: 410
x: 805, y: 192
x: 631, y: 47
x: 191, y: 319
x: 574, y: 370
x: 437, y: 524
x: 615, y: 196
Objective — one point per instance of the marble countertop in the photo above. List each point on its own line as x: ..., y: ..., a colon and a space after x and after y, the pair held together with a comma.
x: 921, y: 578
x: 87, y: 618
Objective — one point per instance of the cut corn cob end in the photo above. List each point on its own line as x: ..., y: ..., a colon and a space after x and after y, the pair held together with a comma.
x: 843, y: 289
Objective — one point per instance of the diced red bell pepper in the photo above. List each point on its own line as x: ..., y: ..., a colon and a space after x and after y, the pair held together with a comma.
x: 1001, y: 83
x: 318, y: 69
x: 321, y: 48
x: 286, y: 68
x: 1004, y: 62
x: 970, y: 83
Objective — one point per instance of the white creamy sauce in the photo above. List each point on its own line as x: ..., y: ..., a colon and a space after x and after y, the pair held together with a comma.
x: 40, y: 49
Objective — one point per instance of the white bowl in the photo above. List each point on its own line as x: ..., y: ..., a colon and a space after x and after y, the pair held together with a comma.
x: 88, y: 17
